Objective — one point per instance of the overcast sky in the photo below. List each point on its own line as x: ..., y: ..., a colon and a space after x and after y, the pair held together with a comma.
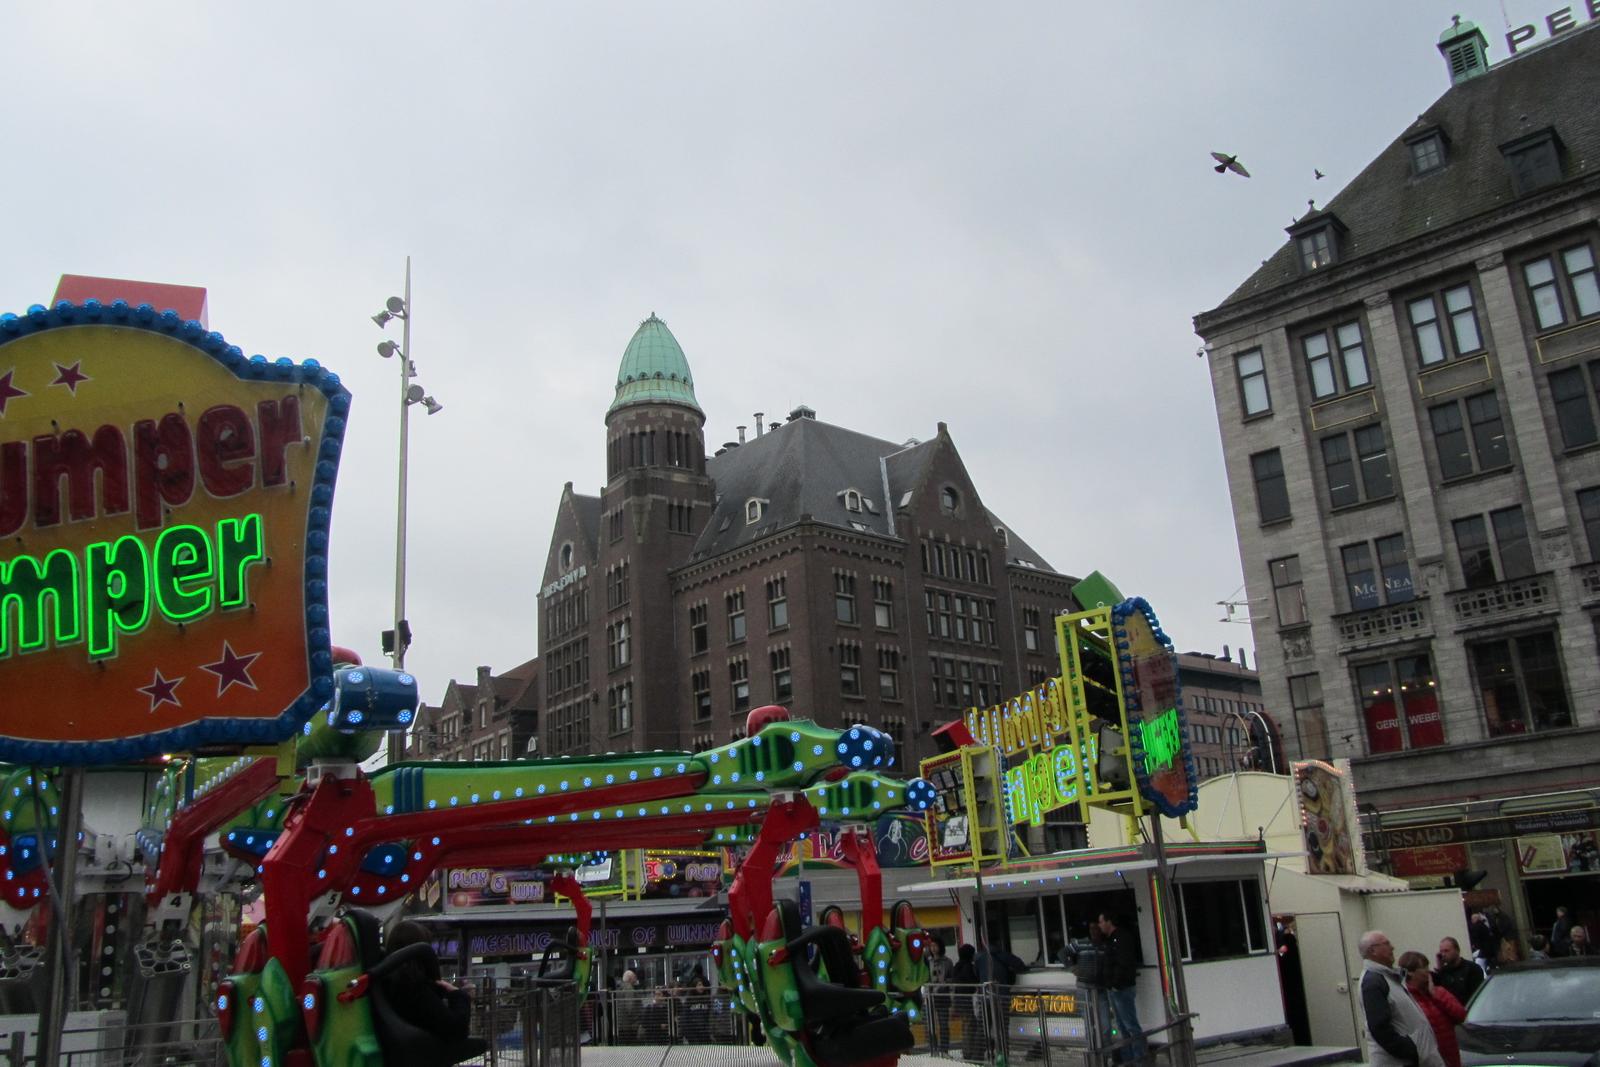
x: 1001, y: 216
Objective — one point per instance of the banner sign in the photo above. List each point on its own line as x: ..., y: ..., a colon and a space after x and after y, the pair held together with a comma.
x: 165, y: 504
x: 1326, y: 818
x: 681, y: 874
x: 1158, y: 734
x: 1428, y: 862
x: 1463, y: 831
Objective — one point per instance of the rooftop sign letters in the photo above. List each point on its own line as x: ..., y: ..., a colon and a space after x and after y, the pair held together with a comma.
x: 164, y: 508
x: 1556, y: 22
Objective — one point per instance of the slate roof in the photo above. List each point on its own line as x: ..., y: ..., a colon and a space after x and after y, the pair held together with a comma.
x: 804, y: 467
x: 1385, y: 206
x: 588, y: 509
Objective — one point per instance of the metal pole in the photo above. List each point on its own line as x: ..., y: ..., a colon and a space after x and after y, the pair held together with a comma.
x: 1266, y: 739
x: 61, y: 983
x: 397, y: 738
x: 1183, y: 1054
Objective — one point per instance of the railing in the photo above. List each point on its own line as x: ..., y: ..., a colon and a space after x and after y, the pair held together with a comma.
x: 1512, y: 597
x: 1377, y: 624
x: 179, y: 1043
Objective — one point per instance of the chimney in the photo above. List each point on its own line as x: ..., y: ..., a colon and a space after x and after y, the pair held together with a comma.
x: 741, y: 435
x: 1465, y: 52
x: 1225, y: 653
x: 758, y: 422
x: 1241, y: 658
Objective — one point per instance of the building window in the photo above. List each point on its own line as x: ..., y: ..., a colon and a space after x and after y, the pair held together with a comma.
x: 844, y: 597
x: 1471, y: 440
x: 617, y: 524
x: 752, y: 511
x: 1336, y: 360
x: 1400, y: 704
x: 1535, y: 161
x: 1272, y: 489
x: 1316, y: 249
x: 889, y: 673
x: 1479, y: 554
x: 1341, y: 455
x: 1563, y: 287
x: 736, y: 627
x: 620, y: 698
x: 739, y: 684
x: 852, y: 500
x: 849, y: 668
x: 1310, y: 720
x: 883, y: 603
x: 1520, y: 683
x: 700, y: 685
x: 699, y: 632
x: 782, y: 678
x: 895, y: 727
x: 1288, y: 593
x: 1221, y: 920
x: 1589, y: 513
x: 1252, y: 371
x: 949, y: 500
x: 1571, y: 392
x: 1389, y: 582
x: 1030, y: 629
x: 1427, y: 153
x: 617, y: 585
x: 1437, y: 342
x: 680, y: 518
x: 619, y: 650
x: 777, y: 603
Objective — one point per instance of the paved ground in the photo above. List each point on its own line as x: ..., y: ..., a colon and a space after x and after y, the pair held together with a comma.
x: 744, y: 1056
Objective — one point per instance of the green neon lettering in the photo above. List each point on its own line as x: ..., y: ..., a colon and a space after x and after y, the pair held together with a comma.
x: 183, y: 556
x: 1162, y: 741
x: 118, y: 592
x: 239, y: 546
x: 1016, y: 795
x: 26, y: 584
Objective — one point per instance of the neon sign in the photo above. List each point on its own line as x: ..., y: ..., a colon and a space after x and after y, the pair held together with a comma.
x: 1162, y: 741
x: 1047, y: 781
x: 1153, y: 710
x: 165, y: 505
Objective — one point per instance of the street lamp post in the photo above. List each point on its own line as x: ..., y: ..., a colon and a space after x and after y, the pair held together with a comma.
x: 410, y: 393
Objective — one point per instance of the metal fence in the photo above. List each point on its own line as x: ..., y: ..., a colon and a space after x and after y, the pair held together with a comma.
x: 177, y: 1043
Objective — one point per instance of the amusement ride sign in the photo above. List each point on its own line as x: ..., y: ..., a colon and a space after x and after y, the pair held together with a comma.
x: 165, y: 506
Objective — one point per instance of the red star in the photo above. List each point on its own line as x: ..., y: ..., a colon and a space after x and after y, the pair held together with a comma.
x: 8, y: 392
x: 71, y: 376
x: 160, y: 691
x: 232, y: 669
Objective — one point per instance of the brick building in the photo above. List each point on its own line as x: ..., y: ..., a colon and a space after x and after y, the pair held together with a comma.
x: 1229, y: 727
x: 1406, y: 392
x: 493, y: 719
x: 850, y: 578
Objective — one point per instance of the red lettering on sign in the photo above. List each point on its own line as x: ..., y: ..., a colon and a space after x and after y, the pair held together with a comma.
x: 280, y: 428
x: 163, y: 467
x: 72, y: 455
x: 13, y: 487
x: 225, y: 437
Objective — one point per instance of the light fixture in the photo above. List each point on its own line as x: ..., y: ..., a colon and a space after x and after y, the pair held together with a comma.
x: 387, y: 348
x: 382, y: 318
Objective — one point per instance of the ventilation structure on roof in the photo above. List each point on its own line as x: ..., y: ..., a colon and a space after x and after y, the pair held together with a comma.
x: 802, y: 412
x: 1465, y: 51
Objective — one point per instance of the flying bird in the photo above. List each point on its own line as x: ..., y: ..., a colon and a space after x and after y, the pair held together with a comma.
x: 1317, y: 172
x: 1227, y: 163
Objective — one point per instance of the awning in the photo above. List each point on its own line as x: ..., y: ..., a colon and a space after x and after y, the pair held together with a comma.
x: 1017, y: 879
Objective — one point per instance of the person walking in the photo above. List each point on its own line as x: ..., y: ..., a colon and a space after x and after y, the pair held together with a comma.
x: 1561, y: 932
x: 1401, y: 1035
x: 1119, y: 976
x: 1455, y: 972
x: 1443, y: 1010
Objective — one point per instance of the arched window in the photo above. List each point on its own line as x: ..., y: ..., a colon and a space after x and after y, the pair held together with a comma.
x: 949, y: 500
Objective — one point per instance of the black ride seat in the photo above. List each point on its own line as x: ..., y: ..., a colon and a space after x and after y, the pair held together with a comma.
x: 565, y: 956
x: 403, y: 1041
x: 847, y: 1023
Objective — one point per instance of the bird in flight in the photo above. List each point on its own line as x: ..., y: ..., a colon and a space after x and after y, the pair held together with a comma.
x: 1227, y: 163
x: 1317, y: 172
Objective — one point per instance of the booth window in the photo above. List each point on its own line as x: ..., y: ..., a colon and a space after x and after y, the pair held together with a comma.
x: 1228, y: 919
x: 1032, y: 927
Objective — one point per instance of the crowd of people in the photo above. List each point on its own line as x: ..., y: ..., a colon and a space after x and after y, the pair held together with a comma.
x: 1412, y: 1009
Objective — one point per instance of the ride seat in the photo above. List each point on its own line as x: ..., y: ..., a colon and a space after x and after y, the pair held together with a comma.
x: 402, y: 1041
x: 846, y: 1023
x: 566, y: 963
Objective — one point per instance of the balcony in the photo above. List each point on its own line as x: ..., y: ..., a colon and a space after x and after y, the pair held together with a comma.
x: 1504, y: 601
x: 1359, y: 629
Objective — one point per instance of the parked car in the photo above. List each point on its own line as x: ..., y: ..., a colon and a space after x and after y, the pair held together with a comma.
x: 1544, y: 1012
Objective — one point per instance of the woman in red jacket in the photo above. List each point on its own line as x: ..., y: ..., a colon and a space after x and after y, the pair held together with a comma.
x: 1443, y: 1010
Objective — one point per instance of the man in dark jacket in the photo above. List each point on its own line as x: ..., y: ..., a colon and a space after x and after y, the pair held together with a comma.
x: 1456, y: 973
x: 1119, y: 976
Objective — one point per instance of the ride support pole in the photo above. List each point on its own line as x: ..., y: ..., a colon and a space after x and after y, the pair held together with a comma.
x: 62, y: 981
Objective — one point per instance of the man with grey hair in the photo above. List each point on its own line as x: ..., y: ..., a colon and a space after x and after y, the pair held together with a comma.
x: 1401, y: 1035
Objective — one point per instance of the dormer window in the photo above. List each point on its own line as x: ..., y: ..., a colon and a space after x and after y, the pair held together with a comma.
x: 949, y: 500
x: 1005, y: 535
x: 1535, y: 161
x: 1318, y: 240
x: 852, y: 500
x: 1428, y: 150
x: 753, y: 510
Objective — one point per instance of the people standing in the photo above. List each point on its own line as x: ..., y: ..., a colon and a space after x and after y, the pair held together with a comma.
x: 964, y: 980
x: 1579, y: 944
x: 1443, y: 1010
x: 1538, y: 947
x: 1561, y: 932
x: 1401, y: 1035
x: 937, y: 1011
x: 1120, y: 977
x: 1455, y: 972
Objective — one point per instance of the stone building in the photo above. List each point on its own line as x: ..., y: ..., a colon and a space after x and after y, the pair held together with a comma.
x: 851, y: 578
x: 1406, y: 392
x: 1229, y: 727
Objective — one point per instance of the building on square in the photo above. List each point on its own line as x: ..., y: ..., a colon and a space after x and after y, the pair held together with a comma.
x: 1407, y: 395
x: 850, y: 578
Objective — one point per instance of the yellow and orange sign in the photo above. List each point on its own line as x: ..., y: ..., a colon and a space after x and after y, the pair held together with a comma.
x: 164, y: 514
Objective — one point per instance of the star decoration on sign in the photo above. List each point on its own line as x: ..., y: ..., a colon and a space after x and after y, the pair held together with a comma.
x: 71, y: 376
x: 161, y: 690
x: 8, y: 392
x: 232, y: 669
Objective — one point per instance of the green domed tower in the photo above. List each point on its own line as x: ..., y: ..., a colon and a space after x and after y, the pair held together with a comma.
x: 654, y: 420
